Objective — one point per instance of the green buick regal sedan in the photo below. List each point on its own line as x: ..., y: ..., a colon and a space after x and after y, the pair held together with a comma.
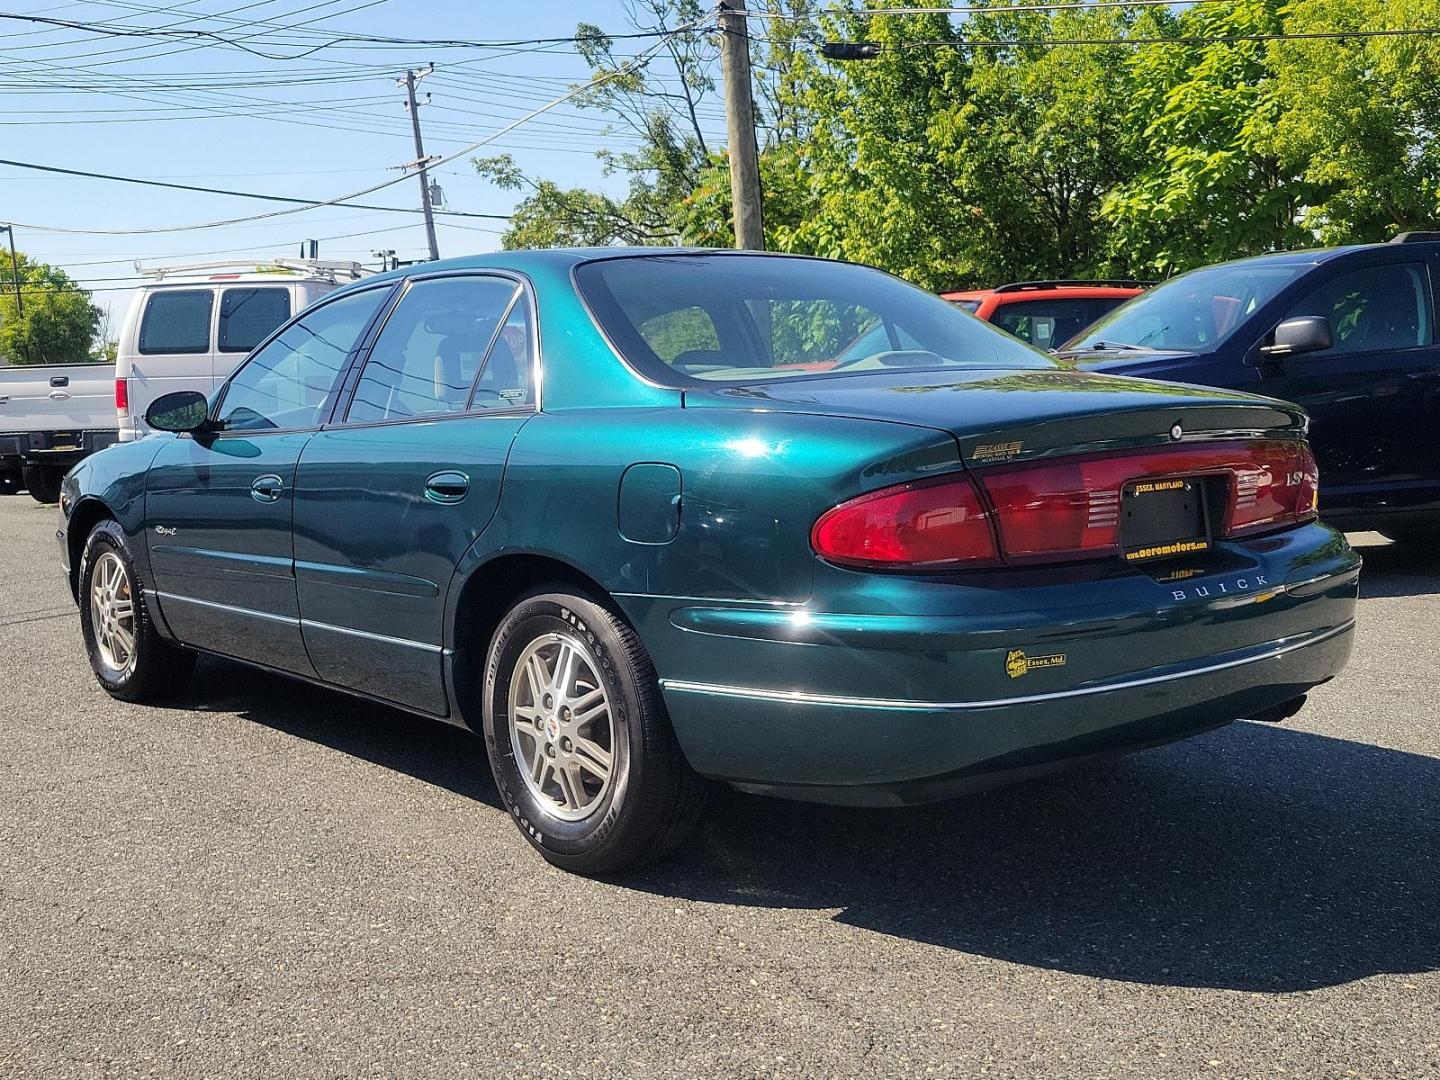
x: 651, y: 519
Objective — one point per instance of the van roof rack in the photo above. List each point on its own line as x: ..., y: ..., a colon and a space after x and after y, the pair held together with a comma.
x: 1415, y: 238
x: 1060, y: 283
x: 324, y: 270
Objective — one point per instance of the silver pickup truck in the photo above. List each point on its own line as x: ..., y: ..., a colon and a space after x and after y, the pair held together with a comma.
x: 50, y: 418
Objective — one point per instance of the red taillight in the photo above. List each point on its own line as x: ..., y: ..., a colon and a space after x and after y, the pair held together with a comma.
x: 1065, y: 509
x: 122, y: 397
x: 1280, y: 486
x: 920, y: 524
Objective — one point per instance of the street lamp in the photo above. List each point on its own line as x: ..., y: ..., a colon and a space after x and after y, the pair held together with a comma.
x: 850, y: 50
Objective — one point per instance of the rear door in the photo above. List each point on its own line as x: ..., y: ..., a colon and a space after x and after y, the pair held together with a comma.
x: 247, y: 315
x: 1374, y: 395
x: 219, y: 507
x: 391, y: 497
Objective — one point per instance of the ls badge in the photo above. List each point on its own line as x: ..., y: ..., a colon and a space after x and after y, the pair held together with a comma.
x: 1017, y: 663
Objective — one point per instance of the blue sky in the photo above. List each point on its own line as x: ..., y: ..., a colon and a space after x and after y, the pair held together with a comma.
x: 203, y: 113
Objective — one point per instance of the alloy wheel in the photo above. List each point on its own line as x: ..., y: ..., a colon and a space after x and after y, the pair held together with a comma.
x: 561, y: 726
x: 112, y: 613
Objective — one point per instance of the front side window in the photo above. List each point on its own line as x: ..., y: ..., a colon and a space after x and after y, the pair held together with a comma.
x: 290, y: 382
x: 426, y: 358
x: 1195, y: 312
x: 176, y: 321
x: 682, y: 318
x: 248, y: 315
x: 1377, y: 309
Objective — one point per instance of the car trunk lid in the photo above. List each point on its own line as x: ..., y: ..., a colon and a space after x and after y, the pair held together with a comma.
x: 1008, y: 415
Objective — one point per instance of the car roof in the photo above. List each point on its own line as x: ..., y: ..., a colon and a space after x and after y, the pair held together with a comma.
x: 1049, y: 290
x: 527, y: 259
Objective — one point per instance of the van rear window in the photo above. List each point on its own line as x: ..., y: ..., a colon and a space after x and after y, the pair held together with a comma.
x: 176, y: 321
x: 248, y: 315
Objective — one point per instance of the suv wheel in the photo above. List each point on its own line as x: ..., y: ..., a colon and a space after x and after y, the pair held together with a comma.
x: 579, y: 740
x: 129, y: 657
x: 43, y: 482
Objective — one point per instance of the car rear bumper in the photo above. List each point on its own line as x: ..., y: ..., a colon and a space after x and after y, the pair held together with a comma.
x: 914, y: 702
x: 960, y: 746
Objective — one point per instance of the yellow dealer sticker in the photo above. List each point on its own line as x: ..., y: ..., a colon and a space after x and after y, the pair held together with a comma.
x: 1017, y: 663
x: 1180, y: 547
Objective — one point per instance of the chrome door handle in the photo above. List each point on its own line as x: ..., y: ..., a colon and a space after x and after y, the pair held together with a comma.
x: 59, y: 395
x: 447, y: 487
x: 267, y: 489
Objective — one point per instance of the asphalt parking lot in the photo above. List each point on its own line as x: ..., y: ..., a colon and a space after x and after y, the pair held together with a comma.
x: 269, y: 880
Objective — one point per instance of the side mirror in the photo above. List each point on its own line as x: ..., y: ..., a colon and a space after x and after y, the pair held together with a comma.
x: 1305, y: 334
x: 184, y: 410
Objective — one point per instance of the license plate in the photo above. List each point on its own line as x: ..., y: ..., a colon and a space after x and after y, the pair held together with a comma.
x: 1163, y: 519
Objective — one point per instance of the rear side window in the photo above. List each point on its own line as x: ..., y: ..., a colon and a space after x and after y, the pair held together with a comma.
x: 248, y: 315
x: 176, y: 321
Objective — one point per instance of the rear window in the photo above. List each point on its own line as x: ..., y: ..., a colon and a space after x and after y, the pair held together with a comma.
x: 248, y: 315
x: 176, y: 321
x: 715, y: 318
x: 1047, y: 324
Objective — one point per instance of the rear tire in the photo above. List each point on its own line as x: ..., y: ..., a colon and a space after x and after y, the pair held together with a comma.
x: 601, y: 786
x: 43, y: 482
x: 129, y: 657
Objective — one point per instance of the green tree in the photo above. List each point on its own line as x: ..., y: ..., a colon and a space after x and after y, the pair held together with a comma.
x: 1211, y: 184
x: 59, y: 321
x: 1357, y: 117
x: 658, y: 104
x: 1036, y: 142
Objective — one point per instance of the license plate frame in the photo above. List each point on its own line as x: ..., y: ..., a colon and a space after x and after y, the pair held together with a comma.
x: 1164, y: 518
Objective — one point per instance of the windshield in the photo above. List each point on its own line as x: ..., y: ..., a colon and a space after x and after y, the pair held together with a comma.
x: 1194, y: 312
x: 745, y: 317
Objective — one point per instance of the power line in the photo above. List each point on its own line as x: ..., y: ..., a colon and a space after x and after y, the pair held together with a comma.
x: 237, y: 194
x: 633, y: 64
x: 1183, y: 39
x: 216, y: 37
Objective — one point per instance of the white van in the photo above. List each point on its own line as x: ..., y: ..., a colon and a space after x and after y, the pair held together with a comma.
x: 191, y: 327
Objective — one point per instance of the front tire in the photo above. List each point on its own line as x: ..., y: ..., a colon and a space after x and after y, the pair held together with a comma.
x: 43, y: 482
x: 579, y: 740
x: 129, y: 657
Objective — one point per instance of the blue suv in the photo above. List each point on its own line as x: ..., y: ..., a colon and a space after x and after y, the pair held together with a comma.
x: 1348, y: 333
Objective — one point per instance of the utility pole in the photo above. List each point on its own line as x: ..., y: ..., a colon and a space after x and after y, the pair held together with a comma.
x: 15, y: 273
x: 740, y: 126
x: 409, y: 81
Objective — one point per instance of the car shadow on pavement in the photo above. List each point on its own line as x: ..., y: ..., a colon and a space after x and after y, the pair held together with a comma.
x: 1251, y: 858
x: 428, y: 750
x: 1396, y: 569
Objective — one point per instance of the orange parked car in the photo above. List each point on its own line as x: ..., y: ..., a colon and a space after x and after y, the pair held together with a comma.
x: 1046, y: 313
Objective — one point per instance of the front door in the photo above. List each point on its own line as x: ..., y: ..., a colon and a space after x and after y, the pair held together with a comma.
x: 390, y: 497
x: 219, y: 507
x: 1374, y: 395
